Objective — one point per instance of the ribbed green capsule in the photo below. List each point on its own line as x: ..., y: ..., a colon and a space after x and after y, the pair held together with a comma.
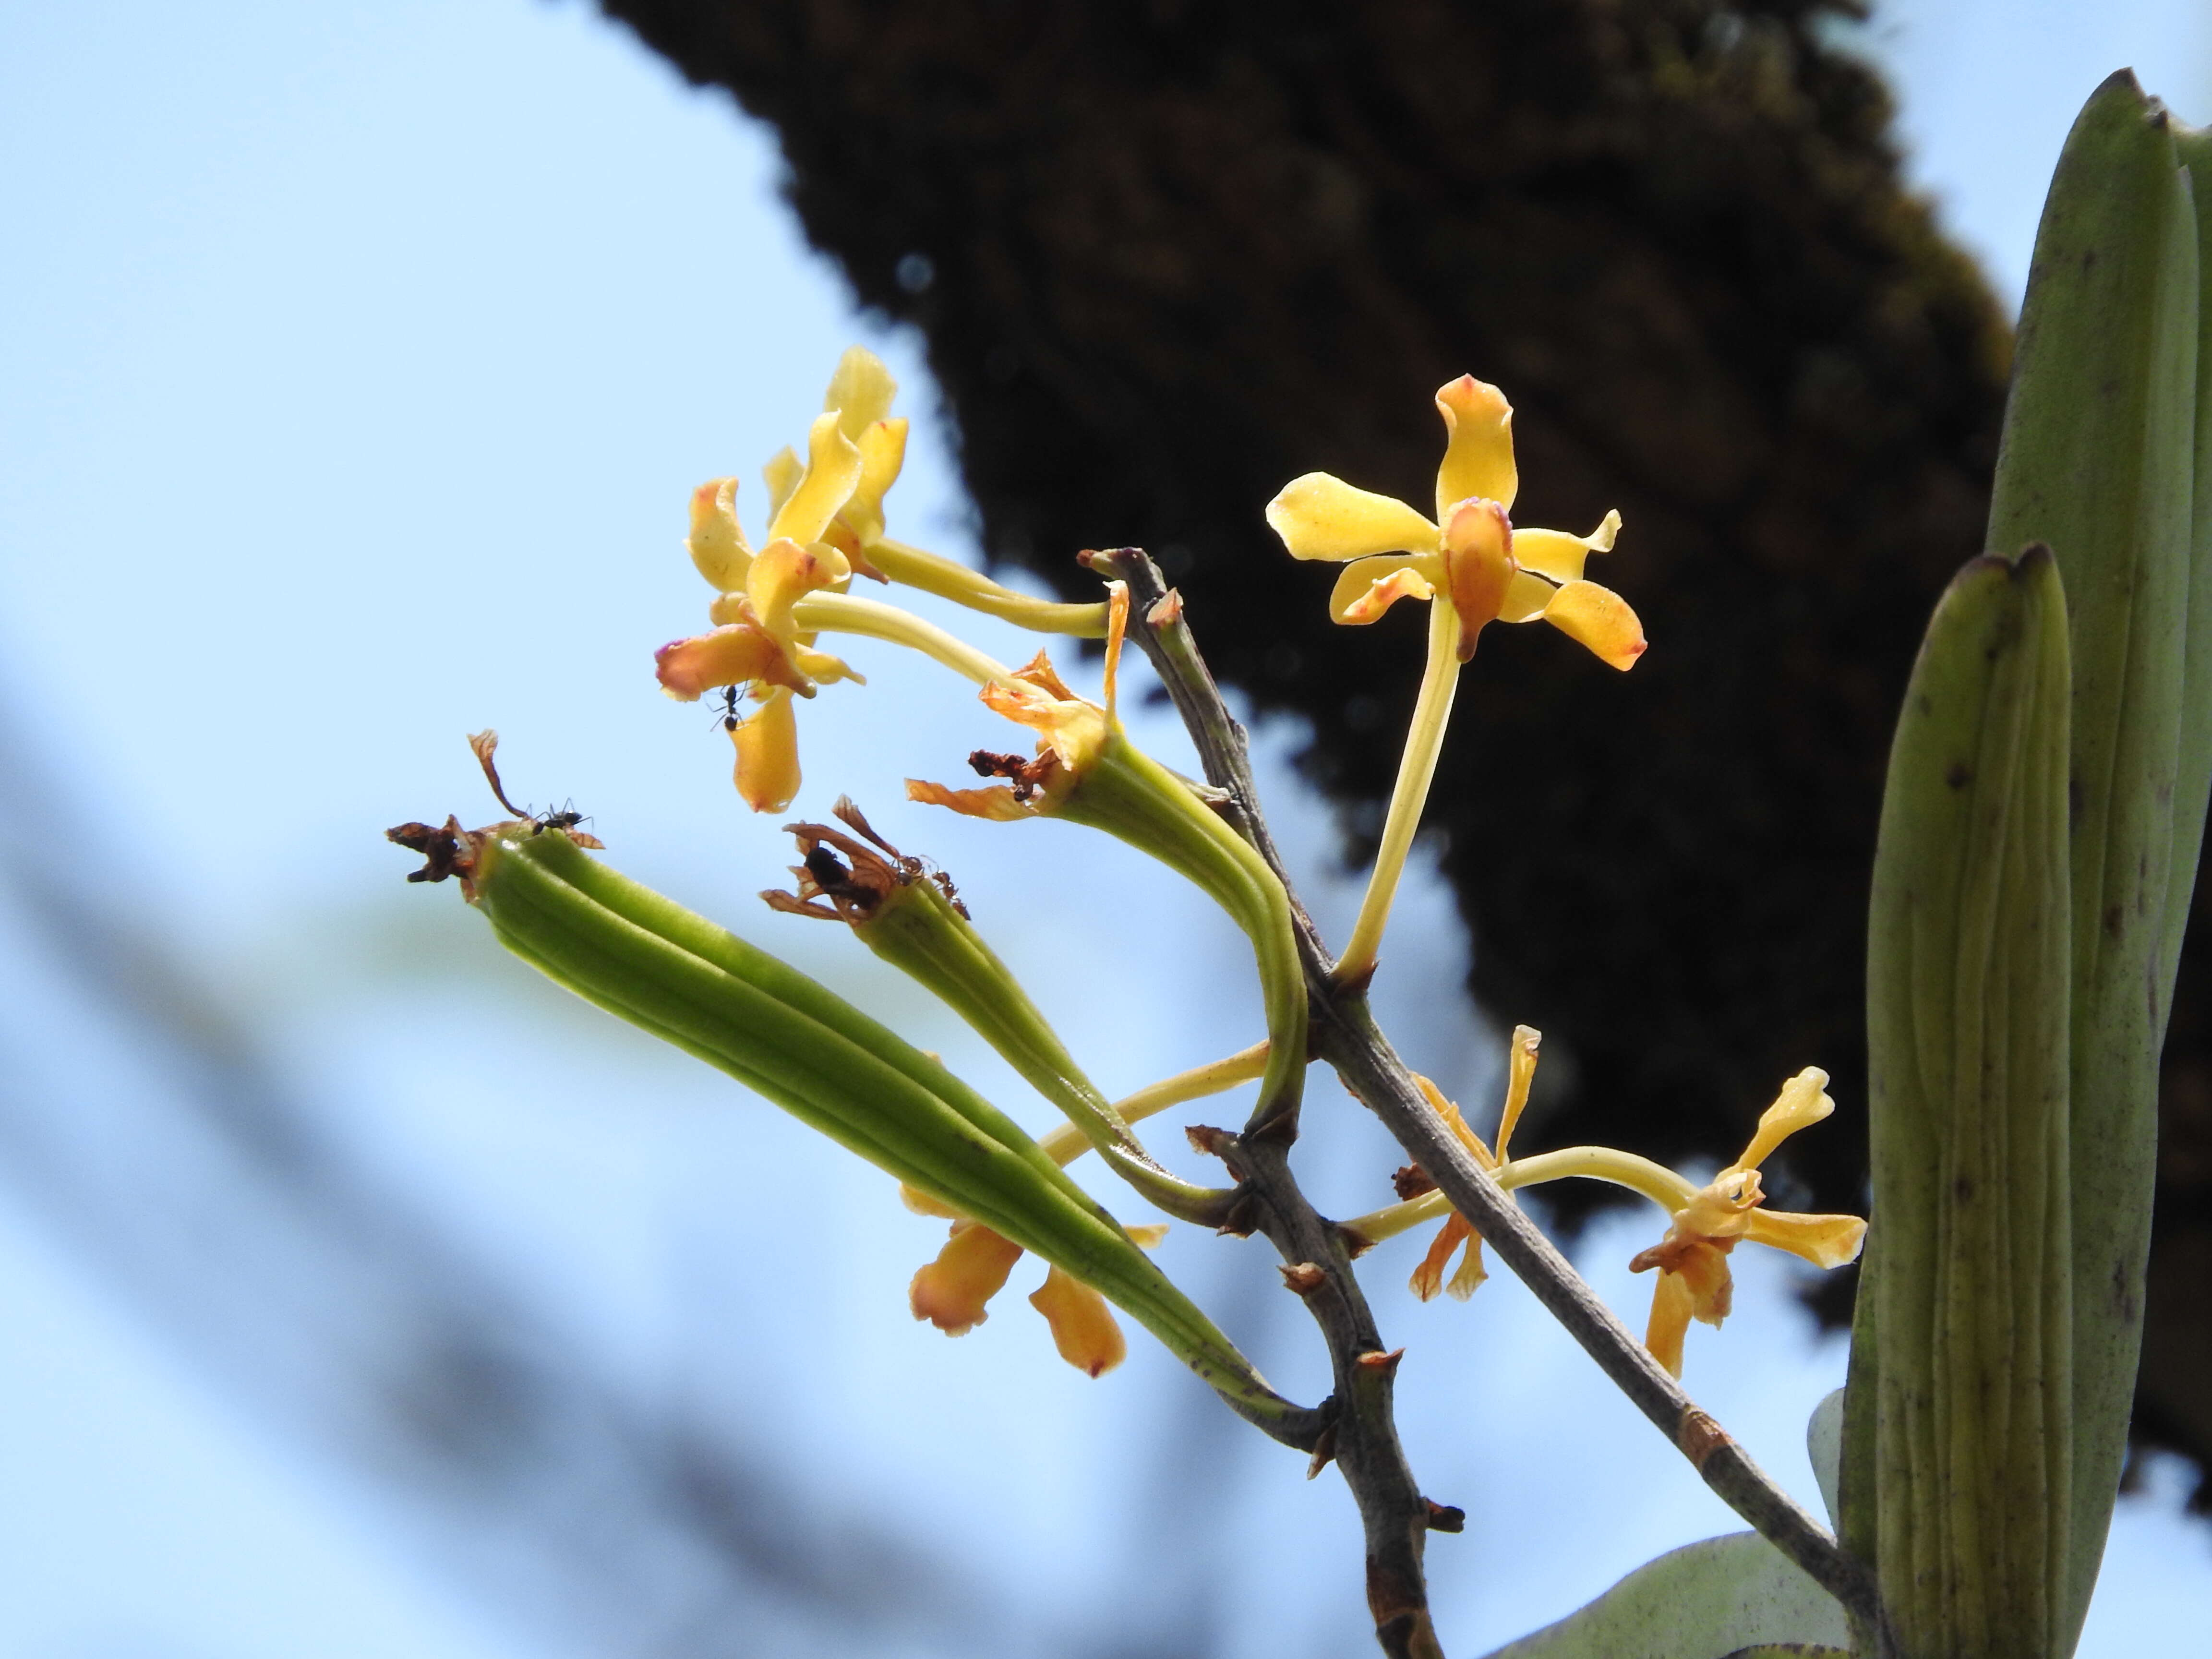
x: 796, y: 1044
x: 910, y: 918
x: 2099, y: 461
x: 1958, y: 1465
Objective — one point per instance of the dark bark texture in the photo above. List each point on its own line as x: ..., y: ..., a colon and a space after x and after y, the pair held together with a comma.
x: 1168, y: 256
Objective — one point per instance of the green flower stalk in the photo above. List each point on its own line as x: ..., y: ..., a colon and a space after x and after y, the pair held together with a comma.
x: 2099, y: 461
x: 1959, y: 1476
x: 1087, y: 771
x: 676, y: 975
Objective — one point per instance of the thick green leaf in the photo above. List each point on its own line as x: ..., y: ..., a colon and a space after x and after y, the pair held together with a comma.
x: 1700, y: 1601
x: 1957, y: 1478
x: 1694, y: 1601
x: 1824, y: 1446
x: 2097, y: 461
x: 2194, y: 146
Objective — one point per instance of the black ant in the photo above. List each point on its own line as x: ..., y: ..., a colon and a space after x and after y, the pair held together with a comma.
x: 909, y: 867
x: 483, y: 744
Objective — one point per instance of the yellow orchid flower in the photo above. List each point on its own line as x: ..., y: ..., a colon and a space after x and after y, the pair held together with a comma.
x: 1479, y: 567
x: 1706, y: 1222
x: 825, y: 526
x: 1692, y: 1258
x: 853, y: 454
x: 861, y: 394
x: 1428, y: 1278
x: 1071, y: 732
x: 1489, y: 570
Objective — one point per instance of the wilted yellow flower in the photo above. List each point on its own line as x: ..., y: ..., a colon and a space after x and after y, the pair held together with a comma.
x: 1694, y: 1282
x: 1473, y: 554
x: 952, y: 1293
x: 1071, y: 732
x: 1706, y: 1222
x: 1428, y: 1278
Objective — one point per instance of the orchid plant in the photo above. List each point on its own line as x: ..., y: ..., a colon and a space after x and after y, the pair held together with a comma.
x: 2045, y: 799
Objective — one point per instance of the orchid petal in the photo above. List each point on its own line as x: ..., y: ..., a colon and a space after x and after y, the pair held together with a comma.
x: 1521, y: 1072
x: 822, y: 668
x: 1321, y: 517
x: 1526, y: 596
x: 833, y: 467
x: 922, y: 1204
x: 1478, y: 445
x: 1599, y: 618
x: 1802, y: 1103
x: 781, y: 475
x: 861, y: 392
x: 995, y: 802
x: 951, y: 1292
x: 1428, y: 1278
x: 767, y: 754
x: 735, y: 655
x: 1556, y: 554
x: 882, y: 452
x: 1084, y: 1328
x: 1026, y: 705
x: 1670, y: 1321
x: 717, y: 542
x: 783, y: 573
x: 1039, y: 672
x: 1450, y: 1114
x: 1704, y: 1269
x: 1825, y: 1240
x: 1368, y: 587
x: 1471, y: 1274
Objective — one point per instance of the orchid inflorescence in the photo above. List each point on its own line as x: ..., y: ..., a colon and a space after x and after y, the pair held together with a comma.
x: 2044, y: 801
x: 827, y: 528
x: 958, y: 1158
x: 1006, y: 1194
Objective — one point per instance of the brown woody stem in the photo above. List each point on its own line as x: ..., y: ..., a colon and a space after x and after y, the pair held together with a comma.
x: 1363, y: 1435
x: 1345, y: 1034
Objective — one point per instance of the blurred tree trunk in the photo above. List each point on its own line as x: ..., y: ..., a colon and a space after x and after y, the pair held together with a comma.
x: 1168, y: 256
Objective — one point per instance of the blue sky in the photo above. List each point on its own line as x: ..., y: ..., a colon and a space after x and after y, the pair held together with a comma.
x: 357, y: 363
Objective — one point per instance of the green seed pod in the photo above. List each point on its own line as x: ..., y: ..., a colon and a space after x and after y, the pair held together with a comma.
x: 2099, y: 461
x: 676, y: 974
x: 1959, y: 1436
x: 910, y: 918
